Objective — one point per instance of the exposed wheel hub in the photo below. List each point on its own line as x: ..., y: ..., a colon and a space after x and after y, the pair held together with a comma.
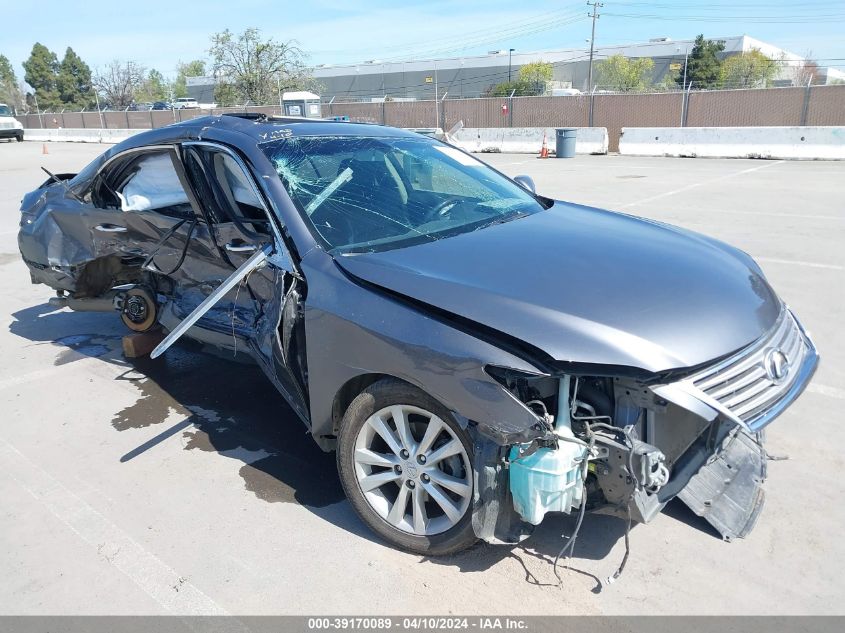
x: 135, y: 308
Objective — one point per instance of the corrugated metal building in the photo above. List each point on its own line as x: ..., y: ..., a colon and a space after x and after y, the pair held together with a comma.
x: 472, y: 76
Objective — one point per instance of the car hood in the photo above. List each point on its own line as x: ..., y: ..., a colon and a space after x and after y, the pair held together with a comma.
x: 589, y: 286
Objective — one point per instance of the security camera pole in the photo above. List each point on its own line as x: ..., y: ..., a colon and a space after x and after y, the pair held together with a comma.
x: 593, y: 15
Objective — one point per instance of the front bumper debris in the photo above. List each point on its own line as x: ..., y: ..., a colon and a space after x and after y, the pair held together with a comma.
x: 728, y: 490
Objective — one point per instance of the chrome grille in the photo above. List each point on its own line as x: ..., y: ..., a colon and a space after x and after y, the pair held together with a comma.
x: 744, y: 385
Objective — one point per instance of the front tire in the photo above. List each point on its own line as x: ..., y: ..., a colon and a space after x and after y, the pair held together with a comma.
x: 19, y: 138
x: 406, y: 468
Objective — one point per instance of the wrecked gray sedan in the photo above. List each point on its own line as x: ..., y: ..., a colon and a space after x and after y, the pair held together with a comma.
x: 477, y: 355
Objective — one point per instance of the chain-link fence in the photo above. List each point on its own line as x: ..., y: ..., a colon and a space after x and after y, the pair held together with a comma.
x: 812, y: 105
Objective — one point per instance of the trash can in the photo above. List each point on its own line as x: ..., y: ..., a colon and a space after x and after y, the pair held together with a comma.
x: 565, y: 142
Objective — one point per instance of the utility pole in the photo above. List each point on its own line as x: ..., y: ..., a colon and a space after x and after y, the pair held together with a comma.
x: 593, y: 15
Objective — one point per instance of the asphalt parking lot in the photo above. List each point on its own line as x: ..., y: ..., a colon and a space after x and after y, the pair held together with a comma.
x: 186, y: 485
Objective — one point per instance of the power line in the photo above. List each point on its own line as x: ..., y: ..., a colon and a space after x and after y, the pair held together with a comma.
x: 751, y: 19
x: 500, y: 36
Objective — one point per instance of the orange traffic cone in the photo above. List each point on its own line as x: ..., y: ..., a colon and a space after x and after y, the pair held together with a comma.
x: 544, y: 151
x: 44, y: 148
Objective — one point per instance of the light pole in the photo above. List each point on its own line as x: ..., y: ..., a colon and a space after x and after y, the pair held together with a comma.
x: 510, y: 55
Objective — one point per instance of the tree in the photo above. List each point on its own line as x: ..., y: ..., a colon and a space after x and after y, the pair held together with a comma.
x: 119, y: 81
x: 748, y: 70
x: 518, y: 88
x: 74, y: 82
x: 195, y: 68
x: 536, y: 75
x: 703, y: 65
x: 153, y: 88
x: 807, y: 72
x: 10, y: 91
x: 255, y: 69
x: 625, y: 74
x: 669, y: 82
x: 225, y: 94
x: 530, y: 81
x: 42, y: 73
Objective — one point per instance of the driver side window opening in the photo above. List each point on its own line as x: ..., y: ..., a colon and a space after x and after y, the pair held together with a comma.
x: 225, y: 190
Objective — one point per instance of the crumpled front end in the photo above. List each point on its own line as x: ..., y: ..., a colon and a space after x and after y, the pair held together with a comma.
x: 627, y: 446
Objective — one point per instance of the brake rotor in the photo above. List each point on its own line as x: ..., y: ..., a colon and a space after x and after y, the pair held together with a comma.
x: 139, y: 312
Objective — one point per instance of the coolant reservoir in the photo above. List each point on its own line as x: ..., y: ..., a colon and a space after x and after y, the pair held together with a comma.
x: 549, y: 480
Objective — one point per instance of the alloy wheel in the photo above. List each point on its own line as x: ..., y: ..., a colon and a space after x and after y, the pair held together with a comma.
x: 413, y: 470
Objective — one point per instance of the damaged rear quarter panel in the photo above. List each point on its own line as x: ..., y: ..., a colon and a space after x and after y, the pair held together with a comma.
x: 353, y: 331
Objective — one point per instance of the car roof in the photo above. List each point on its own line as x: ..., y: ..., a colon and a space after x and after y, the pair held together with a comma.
x: 260, y: 128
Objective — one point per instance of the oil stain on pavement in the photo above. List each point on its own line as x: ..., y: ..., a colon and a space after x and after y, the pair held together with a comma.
x: 235, y: 411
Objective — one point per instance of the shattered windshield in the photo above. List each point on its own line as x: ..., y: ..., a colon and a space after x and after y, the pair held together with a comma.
x: 376, y: 193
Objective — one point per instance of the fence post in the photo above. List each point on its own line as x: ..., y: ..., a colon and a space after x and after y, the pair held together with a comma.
x: 510, y: 108
x: 592, y: 96
x: 82, y: 116
x: 63, y: 117
x: 384, y: 112
x: 806, y: 107
x: 152, y: 123
x: 685, y: 107
x: 126, y: 112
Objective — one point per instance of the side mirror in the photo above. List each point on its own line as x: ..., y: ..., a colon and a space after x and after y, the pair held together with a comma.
x: 526, y: 182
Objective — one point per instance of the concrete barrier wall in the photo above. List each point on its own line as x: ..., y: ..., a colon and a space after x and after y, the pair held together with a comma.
x: 72, y: 135
x: 527, y: 140
x: 820, y: 143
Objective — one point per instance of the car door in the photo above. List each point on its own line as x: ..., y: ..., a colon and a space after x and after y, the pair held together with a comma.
x: 140, y: 215
x: 259, y: 308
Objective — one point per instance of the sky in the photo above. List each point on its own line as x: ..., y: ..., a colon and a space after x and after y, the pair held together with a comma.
x: 158, y: 34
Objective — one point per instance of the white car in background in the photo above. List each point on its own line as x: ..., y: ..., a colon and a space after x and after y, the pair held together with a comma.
x: 10, y: 127
x: 185, y: 102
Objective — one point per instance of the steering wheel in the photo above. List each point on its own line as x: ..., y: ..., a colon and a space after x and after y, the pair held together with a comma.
x: 442, y: 208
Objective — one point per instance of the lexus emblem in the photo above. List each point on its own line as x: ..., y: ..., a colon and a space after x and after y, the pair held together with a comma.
x: 777, y: 365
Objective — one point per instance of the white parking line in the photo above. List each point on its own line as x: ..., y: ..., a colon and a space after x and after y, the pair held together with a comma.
x: 800, y: 216
x: 155, y: 578
x: 38, y: 374
x: 700, y: 184
x: 798, y: 262
x: 832, y: 392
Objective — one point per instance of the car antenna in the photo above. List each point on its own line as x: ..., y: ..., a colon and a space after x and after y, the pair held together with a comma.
x: 63, y: 183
